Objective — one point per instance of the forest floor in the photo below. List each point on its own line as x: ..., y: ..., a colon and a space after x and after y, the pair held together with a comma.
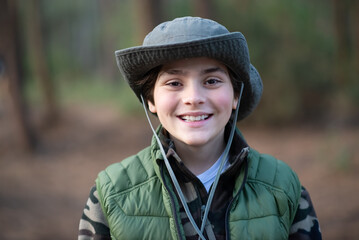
x: 42, y: 195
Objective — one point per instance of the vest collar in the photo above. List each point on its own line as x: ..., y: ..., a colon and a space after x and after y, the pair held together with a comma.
x: 182, y: 172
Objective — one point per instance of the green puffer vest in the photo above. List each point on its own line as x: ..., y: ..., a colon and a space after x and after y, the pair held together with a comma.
x: 138, y: 204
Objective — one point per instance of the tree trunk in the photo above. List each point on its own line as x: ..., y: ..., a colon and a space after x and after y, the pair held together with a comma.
x: 355, y: 11
x: 11, y: 67
x: 343, y: 109
x: 37, y: 53
x: 342, y: 33
x: 107, y: 8
x: 149, y: 14
x: 204, y: 8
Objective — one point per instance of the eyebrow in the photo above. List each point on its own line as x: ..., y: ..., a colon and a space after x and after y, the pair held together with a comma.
x: 214, y: 69
x: 204, y: 71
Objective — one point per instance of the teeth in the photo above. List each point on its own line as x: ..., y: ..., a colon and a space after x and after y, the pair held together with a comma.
x: 193, y: 118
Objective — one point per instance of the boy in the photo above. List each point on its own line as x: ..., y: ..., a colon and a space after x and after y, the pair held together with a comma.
x: 199, y: 179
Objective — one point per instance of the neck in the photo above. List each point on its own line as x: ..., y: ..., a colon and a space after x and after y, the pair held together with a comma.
x: 200, y: 158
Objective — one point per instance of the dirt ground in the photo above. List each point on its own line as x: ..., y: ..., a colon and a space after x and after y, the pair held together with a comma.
x: 42, y: 195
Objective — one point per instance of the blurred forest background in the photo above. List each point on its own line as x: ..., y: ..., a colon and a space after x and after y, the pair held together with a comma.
x: 63, y: 102
x: 306, y: 51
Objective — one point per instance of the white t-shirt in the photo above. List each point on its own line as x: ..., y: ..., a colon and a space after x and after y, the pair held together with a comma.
x: 207, y: 177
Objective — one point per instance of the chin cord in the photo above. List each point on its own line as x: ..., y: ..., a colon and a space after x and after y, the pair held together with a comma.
x: 173, y: 177
x: 214, y: 185
x: 226, y: 151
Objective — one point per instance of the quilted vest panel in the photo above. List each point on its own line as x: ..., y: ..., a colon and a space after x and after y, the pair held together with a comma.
x: 267, y: 204
x: 133, y: 201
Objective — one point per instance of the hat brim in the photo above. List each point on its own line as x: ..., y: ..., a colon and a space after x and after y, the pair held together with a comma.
x: 230, y: 49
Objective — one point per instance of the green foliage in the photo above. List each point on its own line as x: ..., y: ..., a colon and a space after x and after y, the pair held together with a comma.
x: 179, y: 8
x: 94, y: 91
x: 291, y: 43
x: 89, y: 91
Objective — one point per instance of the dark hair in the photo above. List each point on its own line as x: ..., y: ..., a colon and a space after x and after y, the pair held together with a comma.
x: 147, y: 83
x: 236, y: 82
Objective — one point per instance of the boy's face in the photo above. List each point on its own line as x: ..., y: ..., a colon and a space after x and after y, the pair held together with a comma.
x: 194, y: 99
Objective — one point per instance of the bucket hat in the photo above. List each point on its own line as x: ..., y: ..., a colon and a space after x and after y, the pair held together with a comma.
x: 190, y: 37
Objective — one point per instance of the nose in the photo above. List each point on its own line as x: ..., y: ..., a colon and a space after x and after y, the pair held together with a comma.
x: 193, y: 94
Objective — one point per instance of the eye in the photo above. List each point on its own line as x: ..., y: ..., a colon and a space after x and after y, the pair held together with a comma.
x: 212, y: 81
x: 173, y: 84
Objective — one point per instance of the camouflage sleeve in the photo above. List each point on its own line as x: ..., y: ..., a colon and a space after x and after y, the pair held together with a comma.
x: 305, y: 224
x: 93, y: 224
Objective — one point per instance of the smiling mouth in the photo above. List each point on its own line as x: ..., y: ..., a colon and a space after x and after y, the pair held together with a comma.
x: 195, y: 118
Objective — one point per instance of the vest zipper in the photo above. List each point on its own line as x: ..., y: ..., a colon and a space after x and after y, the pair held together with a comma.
x: 242, y: 154
x: 172, y: 203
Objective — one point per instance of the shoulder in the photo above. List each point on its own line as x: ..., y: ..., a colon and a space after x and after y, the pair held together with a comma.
x: 128, y: 173
x: 266, y: 170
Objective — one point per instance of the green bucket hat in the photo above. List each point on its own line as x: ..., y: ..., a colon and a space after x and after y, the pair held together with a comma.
x: 190, y: 37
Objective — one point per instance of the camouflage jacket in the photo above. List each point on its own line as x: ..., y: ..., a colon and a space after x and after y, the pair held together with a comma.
x: 93, y: 224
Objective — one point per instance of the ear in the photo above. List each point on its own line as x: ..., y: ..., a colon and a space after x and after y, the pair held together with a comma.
x: 235, y: 101
x: 151, y: 107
